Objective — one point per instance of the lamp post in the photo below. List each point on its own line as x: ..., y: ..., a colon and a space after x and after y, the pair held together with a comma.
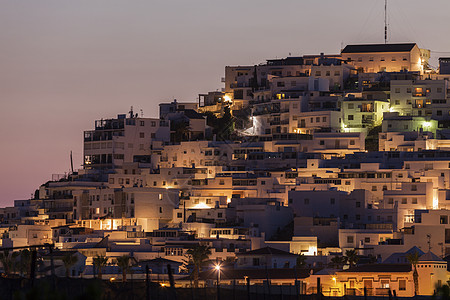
x: 217, y: 267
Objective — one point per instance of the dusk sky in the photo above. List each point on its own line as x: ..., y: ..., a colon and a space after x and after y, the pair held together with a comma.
x: 64, y: 64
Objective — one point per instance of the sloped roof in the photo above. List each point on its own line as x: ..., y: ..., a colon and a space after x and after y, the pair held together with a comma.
x: 267, y: 251
x: 368, y: 48
x: 400, y: 257
x: 192, y: 114
x: 430, y: 256
x: 160, y: 260
x: 380, y: 268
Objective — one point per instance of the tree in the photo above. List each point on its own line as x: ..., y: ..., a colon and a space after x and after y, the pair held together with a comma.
x: 9, y: 261
x: 69, y: 260
x: 5, y: 259
x: 197, y: 257
x: 226, y: 124
x: 181, y: 131
x: 100, y: 262
x: 337, y: 261
x: 351, y: 257
x: 413, y: 259
x: 124, y: 264
x: 24, y: 264
x: 301, y: 261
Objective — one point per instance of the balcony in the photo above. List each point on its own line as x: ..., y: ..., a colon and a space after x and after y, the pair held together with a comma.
x: 239, y: 85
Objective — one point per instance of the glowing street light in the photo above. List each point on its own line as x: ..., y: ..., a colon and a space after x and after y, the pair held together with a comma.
x: 217, y: 267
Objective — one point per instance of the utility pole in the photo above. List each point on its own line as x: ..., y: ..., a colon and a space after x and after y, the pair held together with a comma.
x: 385, y: 21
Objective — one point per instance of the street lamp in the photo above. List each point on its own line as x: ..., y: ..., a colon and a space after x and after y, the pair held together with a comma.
x: 217, y: 267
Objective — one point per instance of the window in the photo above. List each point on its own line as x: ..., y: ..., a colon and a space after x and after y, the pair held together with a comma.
x: 352, y: 142
x: 358, y: 204
x: 141, y: 135
x: 350, y: 106
x: 413, y: 187
x: 324, y: 119
x: 382, y: 58
x: 397, y: 90
x: 371, y: 58
x: 367, y: 240
x: 443, y: 220
x: 153, y: 123
x: 391, y: 201
x: 142, y: 123
x: 374, y: 188
x: 322, y: 142
x: 332, y: 201
x: 408, y: 90
x: 384, y: 284
x: 404, y: 201
x: 350, y: 117
x: 256, y: 261
x: 402, y: 285
x: 327, y: 73
x: 160, y: 210
x: 350, y: 239
x: 414, y: 201
x: 306, y: 201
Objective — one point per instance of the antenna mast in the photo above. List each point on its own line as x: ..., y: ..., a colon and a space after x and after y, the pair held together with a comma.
x: 385, y: 21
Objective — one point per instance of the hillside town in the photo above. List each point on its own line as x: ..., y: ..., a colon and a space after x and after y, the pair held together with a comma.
x: 325, y: 173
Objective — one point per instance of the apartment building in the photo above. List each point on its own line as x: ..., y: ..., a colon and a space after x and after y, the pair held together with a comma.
x: 370, y: 58
x: 125, y: 139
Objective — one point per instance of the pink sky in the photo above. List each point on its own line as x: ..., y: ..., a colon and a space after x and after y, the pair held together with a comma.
x: 64, y: 64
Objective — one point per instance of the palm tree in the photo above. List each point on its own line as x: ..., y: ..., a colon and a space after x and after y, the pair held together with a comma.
x: 25, y: 261
x: 197, y: 257
x: 337, y: 261
x: 9, y: 261
x: 6, y: 261
x: 124, y: 264
x: 181, y: 131
x: 99, y: 262
x: 413, y: 259
x: 69, y: 261
x: 351, y: 257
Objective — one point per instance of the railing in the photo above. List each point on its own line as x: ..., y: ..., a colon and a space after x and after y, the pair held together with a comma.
x: 239, y: 85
